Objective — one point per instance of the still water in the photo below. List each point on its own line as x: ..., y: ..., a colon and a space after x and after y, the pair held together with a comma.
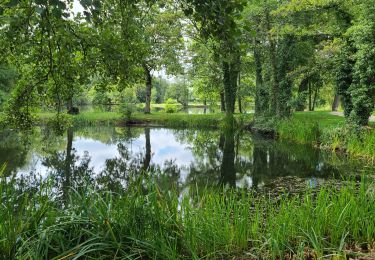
x: 110, y: 156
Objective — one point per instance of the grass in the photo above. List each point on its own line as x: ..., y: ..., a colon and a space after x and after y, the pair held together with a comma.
x: 328, y: 131
x: 88, y: 117
x: 162, y: 105
x: 145, y: 222
x: 306, y: 127
x: 186, y: 120
x: 154, y: 119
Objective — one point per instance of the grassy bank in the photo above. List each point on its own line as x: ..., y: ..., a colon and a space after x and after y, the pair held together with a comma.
x: 329, y: 132
x: 153, y: 119
x: 145, y: 222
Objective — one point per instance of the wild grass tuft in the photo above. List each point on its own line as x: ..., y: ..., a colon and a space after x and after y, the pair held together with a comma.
x: 328, y: 132
x: 143, y: 221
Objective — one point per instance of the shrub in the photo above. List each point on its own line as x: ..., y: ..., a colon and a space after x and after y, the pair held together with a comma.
x: 128, y: 105
x: 170, y: 106
x: 299, y: 103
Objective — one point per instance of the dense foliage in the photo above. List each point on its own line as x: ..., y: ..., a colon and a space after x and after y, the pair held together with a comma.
x: 283, y: 56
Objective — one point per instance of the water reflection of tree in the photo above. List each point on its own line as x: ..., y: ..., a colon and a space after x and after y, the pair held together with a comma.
x: 217, y: 161
x: 227, y: 169
x: 280, y: 159
x: 147, y: 160
x: 227, y: 158
x: 67, y: 170
x: 239, y: 158
x: 13, y: 151
x: 204, y: 170
x: 129, y: 167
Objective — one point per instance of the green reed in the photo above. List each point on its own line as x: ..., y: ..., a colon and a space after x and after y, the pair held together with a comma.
x: 143, y: 221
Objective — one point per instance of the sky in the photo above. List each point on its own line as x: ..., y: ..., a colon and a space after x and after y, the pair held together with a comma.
x: 77, y: 7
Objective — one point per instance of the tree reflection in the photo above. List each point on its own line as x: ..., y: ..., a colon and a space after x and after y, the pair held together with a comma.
x: 14, y: 148
x: 129, y: 167
x: 67, y: 169
x: 227, y: 169
x: 219, y: 158
x: 147, y: 160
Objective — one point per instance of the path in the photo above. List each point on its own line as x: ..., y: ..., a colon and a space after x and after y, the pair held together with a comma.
x: 372, y: 118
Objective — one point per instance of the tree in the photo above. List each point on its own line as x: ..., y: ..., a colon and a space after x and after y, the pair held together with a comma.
x: 7, y: 80
x: 218, y: 21
x: 141, y: 37
x: 162, y: 42
x: 362, y: 89
x: 205, y: 72
x: 48, y: 50
x: 180, y: 92
x: 351, y: 29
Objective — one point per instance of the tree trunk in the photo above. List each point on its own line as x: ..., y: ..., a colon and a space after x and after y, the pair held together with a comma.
x: 231, y: 71
x: 261, y: 100
x: 229, y: 107
x: 310, y: 97
x: 302, y: 88
x: 274, y: 95
x: 222, y: 101
x: 314, y: 100
x: 205, y: 106
x: 239, y: 94
x: 239, y: 104
x: 71, y: 109
x: 69, y: 104
x: 148, y: 88
x: 336, y: 103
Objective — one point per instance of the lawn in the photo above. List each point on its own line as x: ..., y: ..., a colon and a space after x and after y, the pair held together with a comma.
x: 153, y: 119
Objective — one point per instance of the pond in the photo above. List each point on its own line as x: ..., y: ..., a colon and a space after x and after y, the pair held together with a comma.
x: 110, y: 156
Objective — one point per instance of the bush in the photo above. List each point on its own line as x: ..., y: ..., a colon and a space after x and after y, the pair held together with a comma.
x: 265, y: 124
x: 127, y: 110
x: 128, y: 105
x: 170, y: 106
x: 299, y: 103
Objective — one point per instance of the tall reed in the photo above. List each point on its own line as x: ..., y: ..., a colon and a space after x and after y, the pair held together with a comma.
x: 143, y: 221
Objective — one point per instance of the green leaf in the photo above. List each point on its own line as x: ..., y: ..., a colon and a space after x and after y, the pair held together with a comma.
x: 12, y: 3
x: 86, y: 3
x: 41, y: 2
